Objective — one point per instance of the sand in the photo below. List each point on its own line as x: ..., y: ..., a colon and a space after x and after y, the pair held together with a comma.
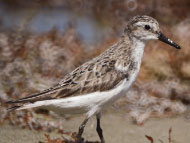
x: 117, y: 127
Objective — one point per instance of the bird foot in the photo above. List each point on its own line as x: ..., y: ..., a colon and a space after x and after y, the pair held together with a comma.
x: 80, y: 140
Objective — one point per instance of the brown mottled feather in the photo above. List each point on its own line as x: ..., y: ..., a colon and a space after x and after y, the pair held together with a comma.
x: 99, y: 74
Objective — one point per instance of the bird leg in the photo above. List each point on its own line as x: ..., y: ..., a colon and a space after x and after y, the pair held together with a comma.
x: 81, y: 129
x: 98, y: 128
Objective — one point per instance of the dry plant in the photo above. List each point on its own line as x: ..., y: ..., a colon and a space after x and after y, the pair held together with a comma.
x: 66, y: 138
x: 151, y: 139
x: 30, y: 62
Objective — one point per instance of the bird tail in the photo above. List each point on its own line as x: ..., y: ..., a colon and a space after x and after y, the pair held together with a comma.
x: 13, y: 108
x: 21, y: 106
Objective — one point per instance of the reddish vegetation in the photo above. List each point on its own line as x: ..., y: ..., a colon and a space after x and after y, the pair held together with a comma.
x: 30, y: 62
x: 169, y: 137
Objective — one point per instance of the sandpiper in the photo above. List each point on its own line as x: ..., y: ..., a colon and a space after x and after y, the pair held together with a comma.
x: 97, y: 83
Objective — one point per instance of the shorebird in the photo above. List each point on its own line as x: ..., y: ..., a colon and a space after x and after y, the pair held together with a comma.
x: 99, y: 82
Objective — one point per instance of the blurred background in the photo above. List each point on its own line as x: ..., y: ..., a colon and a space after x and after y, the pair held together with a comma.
x: 43, y: 40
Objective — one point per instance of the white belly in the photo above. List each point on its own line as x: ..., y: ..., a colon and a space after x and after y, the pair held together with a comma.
x: 90, y: 103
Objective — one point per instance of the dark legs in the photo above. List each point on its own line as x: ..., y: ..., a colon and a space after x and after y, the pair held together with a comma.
x: 98, y: 128
x: 81, y: 129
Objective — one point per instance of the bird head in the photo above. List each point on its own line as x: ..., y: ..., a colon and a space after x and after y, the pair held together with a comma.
x: 146, y: 28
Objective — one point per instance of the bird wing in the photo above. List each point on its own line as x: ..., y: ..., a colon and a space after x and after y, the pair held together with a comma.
x: 97, y: 75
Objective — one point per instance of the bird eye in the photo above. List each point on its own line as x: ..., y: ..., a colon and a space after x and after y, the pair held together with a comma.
x: 147, y: 27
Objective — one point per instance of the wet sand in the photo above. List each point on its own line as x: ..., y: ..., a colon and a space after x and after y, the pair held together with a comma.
x: 117, y: 127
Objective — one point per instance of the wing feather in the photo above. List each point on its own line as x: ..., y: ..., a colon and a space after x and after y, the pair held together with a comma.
x: 99, y: 74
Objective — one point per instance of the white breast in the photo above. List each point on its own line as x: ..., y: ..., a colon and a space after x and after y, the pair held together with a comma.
x: 138, y: 51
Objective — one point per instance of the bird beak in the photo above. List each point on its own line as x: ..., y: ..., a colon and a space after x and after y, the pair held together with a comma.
x: 164, y: 39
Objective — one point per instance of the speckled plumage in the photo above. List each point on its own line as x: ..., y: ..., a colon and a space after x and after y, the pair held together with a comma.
x: 102, y: 74
x: 99, y: 82
x: 99, y: 74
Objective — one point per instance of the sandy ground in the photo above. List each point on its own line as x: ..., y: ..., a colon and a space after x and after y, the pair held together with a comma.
x: 117, y: 127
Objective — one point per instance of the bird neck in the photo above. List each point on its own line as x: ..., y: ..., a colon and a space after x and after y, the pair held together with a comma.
x: 130, y: 53
x: 136, y: 45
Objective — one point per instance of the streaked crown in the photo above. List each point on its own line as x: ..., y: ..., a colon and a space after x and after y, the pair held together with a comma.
x: 143, y: 28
